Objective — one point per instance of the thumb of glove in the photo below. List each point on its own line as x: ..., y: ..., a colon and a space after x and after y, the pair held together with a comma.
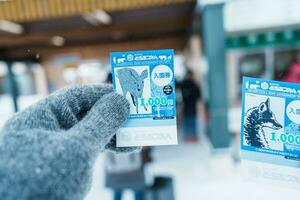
x: 100, y: 124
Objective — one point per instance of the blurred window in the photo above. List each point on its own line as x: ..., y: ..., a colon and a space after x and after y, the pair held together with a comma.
x: 283, y: 61
x: 24, y: 77
x: 252, y: 65
x: 7, y: 108
x: 3, y: 78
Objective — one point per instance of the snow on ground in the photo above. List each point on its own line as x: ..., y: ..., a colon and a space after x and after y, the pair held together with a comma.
x: 201, y: 174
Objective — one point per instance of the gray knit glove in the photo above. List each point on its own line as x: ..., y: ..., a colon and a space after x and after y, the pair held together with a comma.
x: 48, y: 150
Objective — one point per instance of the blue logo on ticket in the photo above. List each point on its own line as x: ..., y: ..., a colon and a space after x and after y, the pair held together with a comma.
x: 146, y: 79
x: 270, y: 121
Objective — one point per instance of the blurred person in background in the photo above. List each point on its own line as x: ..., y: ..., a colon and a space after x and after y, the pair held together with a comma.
x: 179, y: 104
x: 191, y: 94
x: 293, y: 73
x: 109, y: 78
x: 127, y: 171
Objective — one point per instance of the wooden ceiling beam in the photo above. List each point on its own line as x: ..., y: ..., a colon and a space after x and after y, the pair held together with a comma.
x: 10, y: 41
x: 102, y: 50
x: 35, y: 10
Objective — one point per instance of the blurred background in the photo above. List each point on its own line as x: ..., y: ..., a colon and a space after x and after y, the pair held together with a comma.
x: 49, y: 44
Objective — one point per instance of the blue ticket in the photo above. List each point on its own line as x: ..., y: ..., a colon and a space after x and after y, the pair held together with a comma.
x: 270, y: 129
x: 146, y: 79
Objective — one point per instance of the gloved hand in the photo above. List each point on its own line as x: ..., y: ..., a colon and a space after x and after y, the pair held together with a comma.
x: 48, y: 150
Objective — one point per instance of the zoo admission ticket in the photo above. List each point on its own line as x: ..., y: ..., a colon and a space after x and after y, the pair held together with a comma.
x: 146, y: 79
x: 270, y: 130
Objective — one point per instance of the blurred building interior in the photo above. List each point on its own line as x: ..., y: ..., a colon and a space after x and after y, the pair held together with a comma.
x: 49, y: 44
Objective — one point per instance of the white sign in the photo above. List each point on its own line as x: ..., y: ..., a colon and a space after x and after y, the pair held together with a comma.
x: 245, y: 15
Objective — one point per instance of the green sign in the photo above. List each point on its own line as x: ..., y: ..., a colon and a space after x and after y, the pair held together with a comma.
x: 271, y: 38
